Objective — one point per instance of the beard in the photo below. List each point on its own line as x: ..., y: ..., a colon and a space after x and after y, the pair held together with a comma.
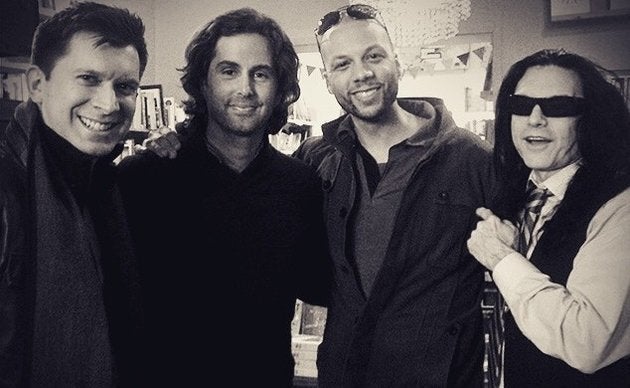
x: 373, y: 112
x: 238, y: 125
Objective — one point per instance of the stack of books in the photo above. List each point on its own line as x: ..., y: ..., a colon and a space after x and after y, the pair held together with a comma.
x: 304, y: 349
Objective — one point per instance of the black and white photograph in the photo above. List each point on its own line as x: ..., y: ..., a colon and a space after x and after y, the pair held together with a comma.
x: 315, y: 193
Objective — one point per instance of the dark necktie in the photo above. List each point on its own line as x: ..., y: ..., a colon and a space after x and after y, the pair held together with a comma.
x: 536, y: 199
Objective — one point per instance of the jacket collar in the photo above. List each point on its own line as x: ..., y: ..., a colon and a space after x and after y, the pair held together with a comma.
x: 20, y: 133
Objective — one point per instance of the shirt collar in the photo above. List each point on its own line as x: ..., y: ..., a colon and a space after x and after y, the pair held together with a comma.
x: 557, y: 183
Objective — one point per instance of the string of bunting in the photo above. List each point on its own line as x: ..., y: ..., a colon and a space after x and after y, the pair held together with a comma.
x: 430, y: 60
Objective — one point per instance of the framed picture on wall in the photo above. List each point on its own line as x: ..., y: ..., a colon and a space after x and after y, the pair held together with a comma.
x: 149, y: 113
x: 572, y: 10
x: 47, y: 7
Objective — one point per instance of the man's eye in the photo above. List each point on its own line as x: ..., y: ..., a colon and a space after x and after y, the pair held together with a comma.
x: 261, y: 75
x: 127, y: 89
x: 89, y: 79
x: 375, y: 57
x: 340, y: 65
x: 228, y: 72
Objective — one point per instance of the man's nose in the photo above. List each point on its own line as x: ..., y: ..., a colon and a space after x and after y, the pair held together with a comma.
x: 106, y: 99
x: 363, y: 72
x: 246, y: 86
x: 536, y: 118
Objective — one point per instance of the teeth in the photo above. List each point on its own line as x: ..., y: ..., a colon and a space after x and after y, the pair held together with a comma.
x: 96, y: 125
x: 365, y: 94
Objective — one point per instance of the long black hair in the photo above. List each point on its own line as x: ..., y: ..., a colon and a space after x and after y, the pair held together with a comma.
x: 603, y: 131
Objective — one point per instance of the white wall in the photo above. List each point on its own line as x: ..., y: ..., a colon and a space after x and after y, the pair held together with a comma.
x: 521, y: 27
x: 176, y: 22
x: 518, y: 28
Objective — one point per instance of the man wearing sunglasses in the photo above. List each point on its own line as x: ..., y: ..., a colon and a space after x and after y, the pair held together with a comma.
x: 562, y: 131
x: 401, y: 184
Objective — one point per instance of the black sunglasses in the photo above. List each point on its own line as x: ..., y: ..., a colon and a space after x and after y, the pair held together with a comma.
x: 558, y: 106
x: 355, y: 11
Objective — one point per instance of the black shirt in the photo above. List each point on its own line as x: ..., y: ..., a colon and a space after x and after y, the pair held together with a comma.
x: 224, y: 256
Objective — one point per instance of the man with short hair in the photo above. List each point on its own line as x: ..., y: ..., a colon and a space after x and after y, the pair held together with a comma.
x: 222, y: 267
x: 68, y: 290
x: 402, y: 183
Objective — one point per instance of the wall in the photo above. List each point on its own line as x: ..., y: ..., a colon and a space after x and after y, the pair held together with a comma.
x: 145, y: 10
x: 518, y: 28
x: 177, y: 21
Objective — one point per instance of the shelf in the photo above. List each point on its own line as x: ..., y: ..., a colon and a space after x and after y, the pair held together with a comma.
x: 13, y: 65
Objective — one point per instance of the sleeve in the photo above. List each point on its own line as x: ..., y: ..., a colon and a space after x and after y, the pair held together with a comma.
x: 586, y: 323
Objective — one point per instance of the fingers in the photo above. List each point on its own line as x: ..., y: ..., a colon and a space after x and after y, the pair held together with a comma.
x: 484, y: 213
x: 163, y: 142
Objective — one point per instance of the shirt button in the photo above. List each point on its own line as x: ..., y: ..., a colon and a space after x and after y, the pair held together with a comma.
x: 443, y: 195
x: 343, y: 212
x: 326, y: 185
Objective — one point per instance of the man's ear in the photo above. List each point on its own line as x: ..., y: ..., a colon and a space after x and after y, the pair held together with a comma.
x: 36, y: 81
x: 325, y: 74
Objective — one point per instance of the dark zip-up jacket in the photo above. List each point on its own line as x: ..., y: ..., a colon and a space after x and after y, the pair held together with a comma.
x: 422, y: 322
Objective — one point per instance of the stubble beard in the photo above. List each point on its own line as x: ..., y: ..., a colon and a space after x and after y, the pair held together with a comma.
x: 389, y: 96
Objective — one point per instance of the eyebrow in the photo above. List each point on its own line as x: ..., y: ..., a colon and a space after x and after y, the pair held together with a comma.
x: 367, y: 50
x: 237, y: 65
x: 100, y: 74
x: 263, y: 67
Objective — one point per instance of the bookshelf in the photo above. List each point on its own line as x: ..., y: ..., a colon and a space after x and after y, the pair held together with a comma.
x: 18, y: 25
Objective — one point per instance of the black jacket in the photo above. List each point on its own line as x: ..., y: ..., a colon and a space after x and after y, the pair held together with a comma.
x: 422, y: 323
x: 28, y: 192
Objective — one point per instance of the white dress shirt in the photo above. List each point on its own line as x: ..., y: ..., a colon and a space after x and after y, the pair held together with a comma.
x: 586, y: 323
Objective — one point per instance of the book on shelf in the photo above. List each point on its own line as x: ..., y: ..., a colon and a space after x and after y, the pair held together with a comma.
x: 313, y: 319
x: 305, y: 342
x: 296, y: 323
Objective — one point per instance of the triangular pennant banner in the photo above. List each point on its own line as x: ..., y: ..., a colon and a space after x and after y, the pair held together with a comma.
x: 322, y: 72
x: 464, y: 58
x: 414, y: 71
x: 309, y: 69
x: 479, y: 52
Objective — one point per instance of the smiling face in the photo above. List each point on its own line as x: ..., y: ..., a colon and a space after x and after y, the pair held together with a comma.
x: 241, y: 85
x: 546, y: 144
x: 89, y: 97
x: 361, y: 68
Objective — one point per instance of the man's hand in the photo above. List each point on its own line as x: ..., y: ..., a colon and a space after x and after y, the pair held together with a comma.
x: 163, y: 142
x: 492, y: 240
